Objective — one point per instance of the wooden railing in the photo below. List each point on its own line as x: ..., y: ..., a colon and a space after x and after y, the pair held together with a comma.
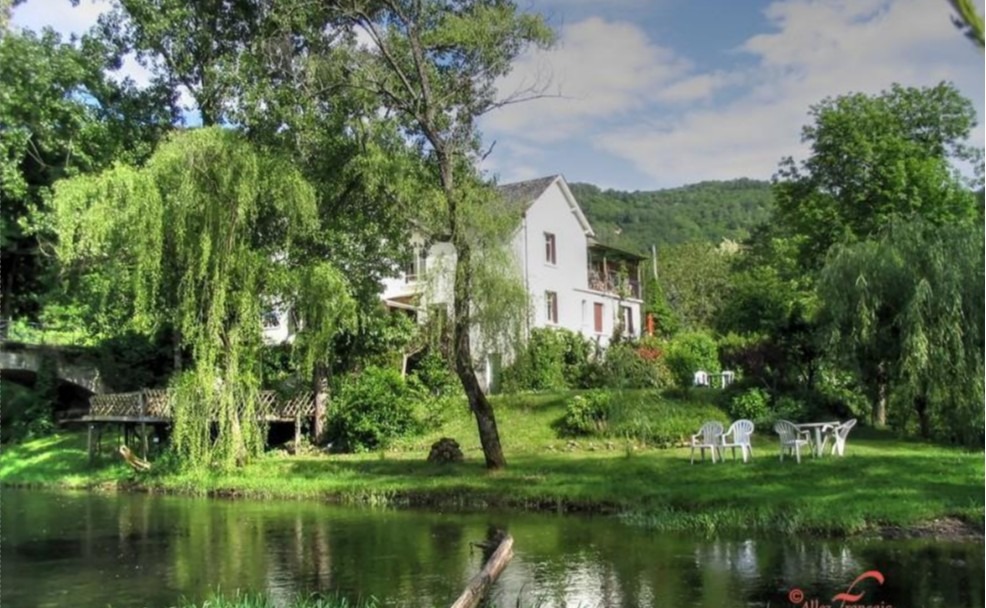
x: 155, y: 404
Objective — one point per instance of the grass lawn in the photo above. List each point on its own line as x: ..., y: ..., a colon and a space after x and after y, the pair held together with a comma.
x: 881, y: 481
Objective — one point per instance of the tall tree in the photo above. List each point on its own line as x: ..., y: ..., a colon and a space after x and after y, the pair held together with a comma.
x: 435, y: 63
x: 875, y: 159
x: 905, y: 310
x: 212, y: 220
x: 61, y: 115
x: 195, y: 46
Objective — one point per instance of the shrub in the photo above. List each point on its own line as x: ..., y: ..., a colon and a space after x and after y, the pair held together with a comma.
x: 648, y: 416
x: 625, y: 367
x: 552, y: 359
x: 689, y: 353
x: 374, y: 408
x: 587, y: 413
x: 751, y: 404
x: 434, y: 374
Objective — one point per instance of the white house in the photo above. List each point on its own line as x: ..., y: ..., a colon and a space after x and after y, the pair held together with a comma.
x: 574, y: 282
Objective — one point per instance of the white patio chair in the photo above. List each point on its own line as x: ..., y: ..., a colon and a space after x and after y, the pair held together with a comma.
x: 839, y: 434
x: 792, y: 438
x: 701, y: 378
x: 709, y: 436
x: 738, y: 436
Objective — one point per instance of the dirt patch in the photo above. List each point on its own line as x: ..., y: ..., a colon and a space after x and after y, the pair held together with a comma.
x: 945, y: 528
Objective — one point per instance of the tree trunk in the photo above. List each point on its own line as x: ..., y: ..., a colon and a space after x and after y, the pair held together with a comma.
x: 320, y: 387
x: 880, y: 407
x: 489, y: 437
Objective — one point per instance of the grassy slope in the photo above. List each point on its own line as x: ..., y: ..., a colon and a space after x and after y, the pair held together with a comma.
x: 880, y: 481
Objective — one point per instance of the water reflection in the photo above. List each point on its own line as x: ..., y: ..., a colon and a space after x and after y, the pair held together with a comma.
x: 136, y: 550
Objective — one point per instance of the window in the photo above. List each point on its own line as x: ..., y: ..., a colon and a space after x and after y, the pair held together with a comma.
x: 597, y: 309
x: 417, y: 265
x: 628, y: 320
x: 549, y: 248
x: 270, y: 319
x: 551, y: 298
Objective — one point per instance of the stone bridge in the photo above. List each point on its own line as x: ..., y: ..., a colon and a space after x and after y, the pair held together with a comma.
x: 75, y: 368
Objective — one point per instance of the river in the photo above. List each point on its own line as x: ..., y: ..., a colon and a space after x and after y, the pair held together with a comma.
x: 123, y: 550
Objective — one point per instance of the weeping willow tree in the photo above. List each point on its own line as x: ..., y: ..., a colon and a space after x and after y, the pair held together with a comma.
x: 202, y: 238
x: 905, y: 311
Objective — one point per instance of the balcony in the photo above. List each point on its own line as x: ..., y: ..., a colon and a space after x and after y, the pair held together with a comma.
x: 614, y: 271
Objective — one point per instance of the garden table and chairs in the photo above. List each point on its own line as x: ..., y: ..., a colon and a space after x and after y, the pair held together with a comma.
x: 813, y: 435
x: 818, y: 429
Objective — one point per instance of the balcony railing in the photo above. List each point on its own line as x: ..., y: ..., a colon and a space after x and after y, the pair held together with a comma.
x: 615, y: 284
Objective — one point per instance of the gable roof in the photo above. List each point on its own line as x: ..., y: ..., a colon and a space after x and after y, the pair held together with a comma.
x: 523, y: 194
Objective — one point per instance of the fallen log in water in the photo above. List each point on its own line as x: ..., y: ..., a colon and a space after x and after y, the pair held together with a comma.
x: 480, y: 584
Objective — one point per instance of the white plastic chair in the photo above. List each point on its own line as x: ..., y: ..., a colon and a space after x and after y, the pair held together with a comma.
x: 738, y: 436
x: 792, y: 438
x: 709, y: 436
x: 727, y: 378
x: 839, y: 434
x: 701, y: 378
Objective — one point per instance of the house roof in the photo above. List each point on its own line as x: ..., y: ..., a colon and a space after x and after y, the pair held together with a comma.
x: 523, y: 194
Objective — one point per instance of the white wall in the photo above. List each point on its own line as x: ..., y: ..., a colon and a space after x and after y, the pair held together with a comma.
x: 569, y: 277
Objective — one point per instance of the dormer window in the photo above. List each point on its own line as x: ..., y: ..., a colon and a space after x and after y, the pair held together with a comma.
x: 549, y: 249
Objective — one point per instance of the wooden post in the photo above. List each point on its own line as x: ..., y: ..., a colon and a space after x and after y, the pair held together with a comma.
x: 297, y: 432
x: 480, y: 584
x: 89, y: 443
x: 143, y: 423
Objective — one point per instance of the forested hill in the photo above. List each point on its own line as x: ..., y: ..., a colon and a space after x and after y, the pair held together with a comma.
x: 707, y: 211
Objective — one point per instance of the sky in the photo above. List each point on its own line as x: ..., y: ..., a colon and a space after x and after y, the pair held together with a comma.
x: 649, y: 94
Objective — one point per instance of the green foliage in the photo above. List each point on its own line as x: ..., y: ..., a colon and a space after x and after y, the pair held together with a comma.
x: 626, y: 366
x: 905, y: 313
x: 547, y: 361
x: 690, y: 352
x: 751, y: 404
x: 372, y: 409
x: 132, y: 361
x: 587, y: 413
x: 651, y: 417
x: 695, y: 281
x: 196, y: 240
x: 28, y: 413
x: 62, y: 116
x: 707, y: 212
x: 876, y: 159
x: 435, y: 375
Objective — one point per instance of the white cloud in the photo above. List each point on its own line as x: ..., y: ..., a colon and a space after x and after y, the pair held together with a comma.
x: 600, y: 69
x: 819, y: 49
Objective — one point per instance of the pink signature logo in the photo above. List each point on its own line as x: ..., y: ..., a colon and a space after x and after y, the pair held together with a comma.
x: 846, y: 599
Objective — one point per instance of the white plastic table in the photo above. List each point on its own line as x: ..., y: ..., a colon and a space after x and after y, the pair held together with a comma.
x: 817, y: 428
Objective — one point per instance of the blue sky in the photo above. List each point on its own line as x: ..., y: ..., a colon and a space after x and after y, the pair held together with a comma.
x: 650, y: 94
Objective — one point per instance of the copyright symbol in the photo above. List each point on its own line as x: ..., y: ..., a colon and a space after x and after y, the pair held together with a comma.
x: 796, y: 596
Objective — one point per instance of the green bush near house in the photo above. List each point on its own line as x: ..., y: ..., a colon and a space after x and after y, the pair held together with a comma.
x: 373, y: 409
x: 691, y: 352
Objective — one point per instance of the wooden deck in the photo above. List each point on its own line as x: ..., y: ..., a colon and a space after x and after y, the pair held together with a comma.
x: 151, y: 407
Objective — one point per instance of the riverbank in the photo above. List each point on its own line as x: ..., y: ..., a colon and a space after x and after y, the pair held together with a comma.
x: 883, y: 486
